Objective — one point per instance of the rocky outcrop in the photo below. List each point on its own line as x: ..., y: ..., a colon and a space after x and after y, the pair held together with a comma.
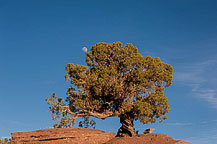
x: 88, y: 136
x: 147, y: 131
x: 149, y: 138
x: 62, y: 136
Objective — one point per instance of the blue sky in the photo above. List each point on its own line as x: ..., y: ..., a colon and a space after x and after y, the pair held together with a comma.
x: 38, y: 38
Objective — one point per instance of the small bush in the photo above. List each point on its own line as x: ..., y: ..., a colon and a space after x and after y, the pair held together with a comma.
x: 5, y: 141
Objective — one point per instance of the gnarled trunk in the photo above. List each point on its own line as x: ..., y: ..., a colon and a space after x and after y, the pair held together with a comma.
x: 126, y: 129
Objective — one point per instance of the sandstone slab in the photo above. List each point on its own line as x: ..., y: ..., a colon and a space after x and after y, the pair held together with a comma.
x: 88, y: 136
x: 62, y: 136
x: 148, y: 138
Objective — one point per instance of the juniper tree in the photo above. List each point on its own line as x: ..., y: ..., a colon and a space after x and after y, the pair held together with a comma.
x: 117, y: 82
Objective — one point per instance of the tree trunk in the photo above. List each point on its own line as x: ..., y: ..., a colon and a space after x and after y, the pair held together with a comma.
x: 126, y: 129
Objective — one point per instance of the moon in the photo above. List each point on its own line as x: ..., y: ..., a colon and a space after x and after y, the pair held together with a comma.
x: 84, y: 49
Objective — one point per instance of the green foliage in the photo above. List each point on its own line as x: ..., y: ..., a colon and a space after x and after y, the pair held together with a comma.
x: 117, y: 79
x: 86, y: 123
x: 5, y: 141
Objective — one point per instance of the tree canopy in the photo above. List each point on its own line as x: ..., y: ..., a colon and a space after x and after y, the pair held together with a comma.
x: 117, y: 81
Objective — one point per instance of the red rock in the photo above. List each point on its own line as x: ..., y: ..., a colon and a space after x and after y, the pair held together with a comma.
x: 88, y: 136
x: 62, y: 136
x: 151, y: 138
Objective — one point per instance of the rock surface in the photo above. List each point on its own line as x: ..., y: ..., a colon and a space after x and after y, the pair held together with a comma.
x: 62, y: 136
x: 150, y: 130
x: 87, y: 136
x: 150, y: 138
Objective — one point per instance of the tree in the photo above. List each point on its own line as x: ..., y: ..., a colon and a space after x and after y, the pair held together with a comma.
x: 117, y: 82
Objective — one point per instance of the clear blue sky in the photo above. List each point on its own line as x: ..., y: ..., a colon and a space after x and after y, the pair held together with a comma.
x: 38, y: 38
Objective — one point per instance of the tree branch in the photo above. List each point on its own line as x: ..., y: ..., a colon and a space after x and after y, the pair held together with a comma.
x: 82, y: 113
